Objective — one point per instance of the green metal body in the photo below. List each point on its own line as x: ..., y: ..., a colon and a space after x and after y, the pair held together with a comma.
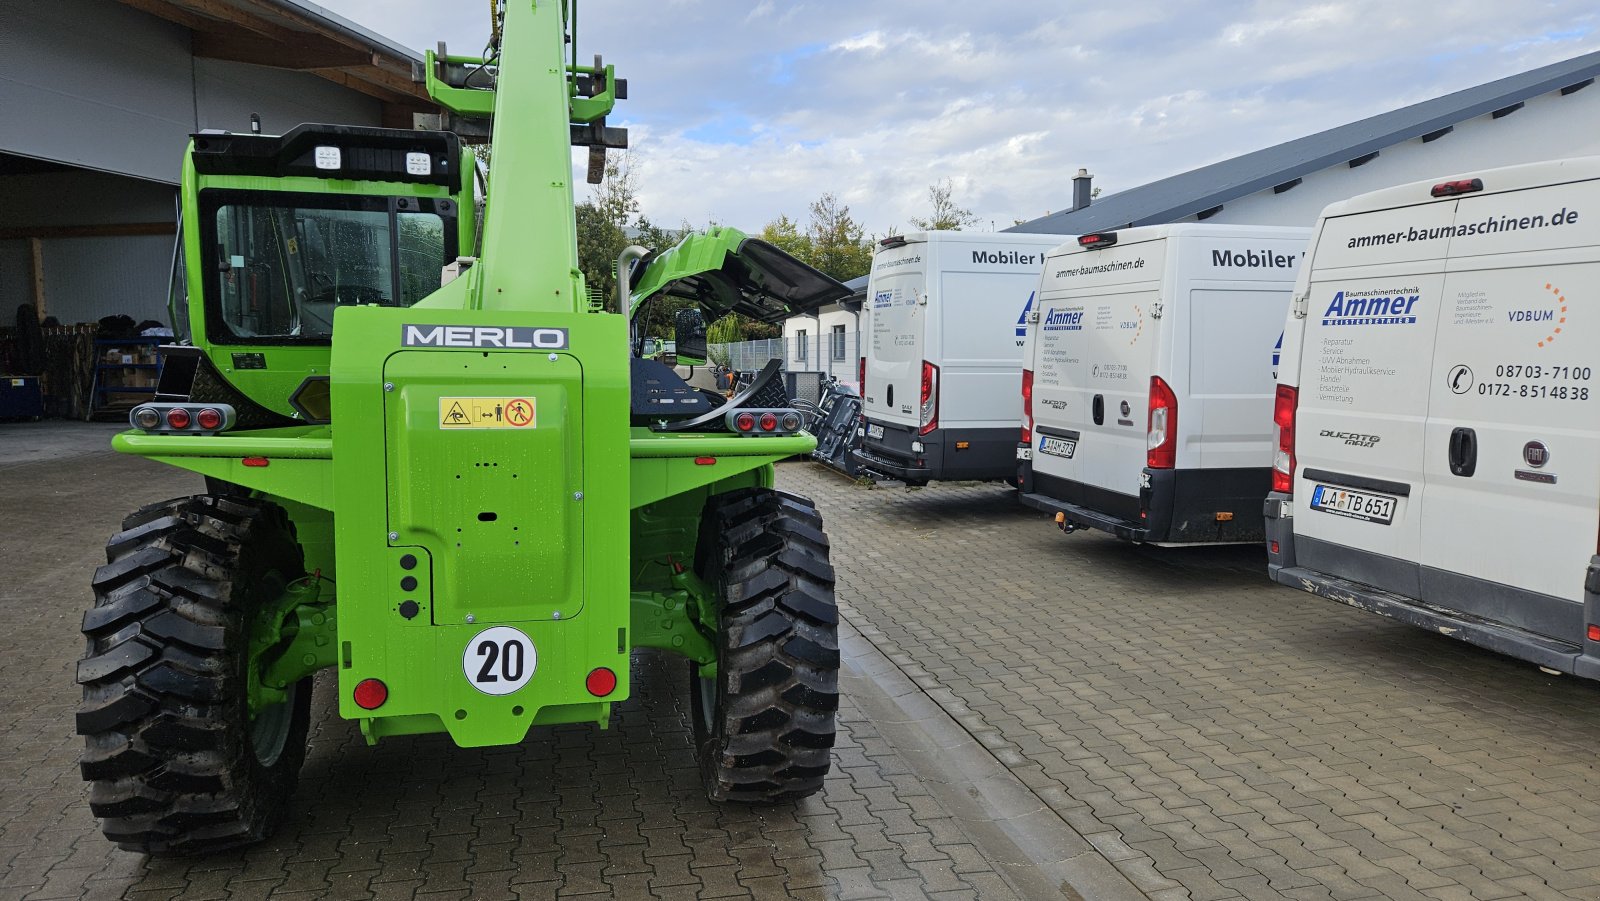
x: 575, y: 529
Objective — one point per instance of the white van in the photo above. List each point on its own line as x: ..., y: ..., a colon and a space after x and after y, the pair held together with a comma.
x: 1439, y: 411
x: 1148, y: 381
x: 944, y: 323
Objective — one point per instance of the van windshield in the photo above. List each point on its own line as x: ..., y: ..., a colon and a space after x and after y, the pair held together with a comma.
x: 285, y: 262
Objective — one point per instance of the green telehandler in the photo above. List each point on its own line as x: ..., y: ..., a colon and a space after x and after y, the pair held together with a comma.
x: 435, y: 465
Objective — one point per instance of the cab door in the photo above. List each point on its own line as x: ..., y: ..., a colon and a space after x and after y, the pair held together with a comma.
x: 1513, y: 433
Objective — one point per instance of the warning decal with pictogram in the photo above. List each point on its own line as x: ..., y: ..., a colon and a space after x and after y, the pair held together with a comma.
x: 487, y: 413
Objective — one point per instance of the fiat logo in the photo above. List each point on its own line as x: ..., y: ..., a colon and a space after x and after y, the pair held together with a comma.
x: 1535, y: 454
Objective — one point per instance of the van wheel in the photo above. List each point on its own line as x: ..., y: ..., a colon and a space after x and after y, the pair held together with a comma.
x: 764, y: 725
x: 175, y: 761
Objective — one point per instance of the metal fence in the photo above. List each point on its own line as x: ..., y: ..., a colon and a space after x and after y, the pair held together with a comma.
x: 832, y: 353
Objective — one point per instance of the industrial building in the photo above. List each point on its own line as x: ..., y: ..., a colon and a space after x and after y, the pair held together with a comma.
x: 1542, y: 114
x: 100, y: 98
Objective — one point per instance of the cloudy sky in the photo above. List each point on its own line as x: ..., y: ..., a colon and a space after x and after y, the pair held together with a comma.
x: 741, y: 110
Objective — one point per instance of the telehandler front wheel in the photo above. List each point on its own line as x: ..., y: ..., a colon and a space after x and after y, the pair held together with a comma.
x: 175, y: 760
x: 764, y: 726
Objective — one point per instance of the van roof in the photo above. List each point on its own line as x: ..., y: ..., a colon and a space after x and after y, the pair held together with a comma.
x: 1190, y: 229
x: 1507, y: 178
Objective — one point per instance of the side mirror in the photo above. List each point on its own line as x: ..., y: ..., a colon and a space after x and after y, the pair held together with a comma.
x: 649, y: 347
x: 689, y: 330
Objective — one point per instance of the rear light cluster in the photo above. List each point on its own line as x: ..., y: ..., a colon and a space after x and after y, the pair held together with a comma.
x: 182, y: 419
x: 929, y: 419
x: 1027, y: 406
x: 861, y: 376
x: 1162, y: 440
x: 764, y: 422
x: 1284, y: 407
x: 1102, y: 239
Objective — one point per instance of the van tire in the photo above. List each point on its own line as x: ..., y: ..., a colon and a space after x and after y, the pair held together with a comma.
x: 174, y: 763
x: 764, y: 727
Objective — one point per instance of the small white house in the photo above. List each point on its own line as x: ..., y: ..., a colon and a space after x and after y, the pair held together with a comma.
x: 827, y: 342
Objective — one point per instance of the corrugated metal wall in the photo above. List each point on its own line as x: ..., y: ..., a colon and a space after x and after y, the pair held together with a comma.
x: 97, y: 84
x: 15, y: 279
x: 87, y: 278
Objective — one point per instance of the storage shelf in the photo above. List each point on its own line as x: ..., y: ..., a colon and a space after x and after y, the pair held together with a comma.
x: 101, y: 391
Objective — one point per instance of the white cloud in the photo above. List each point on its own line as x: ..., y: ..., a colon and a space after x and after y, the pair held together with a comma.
x: 741, y: 111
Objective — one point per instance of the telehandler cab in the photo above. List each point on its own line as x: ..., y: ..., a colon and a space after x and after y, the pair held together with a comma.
x: 471, y: 502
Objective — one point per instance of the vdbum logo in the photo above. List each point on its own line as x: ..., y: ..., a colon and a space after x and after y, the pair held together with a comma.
x: 1372, y: 308
x: 1069, y: 320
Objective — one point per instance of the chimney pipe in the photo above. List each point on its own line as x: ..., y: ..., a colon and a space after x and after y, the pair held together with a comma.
x: 1080, y: 189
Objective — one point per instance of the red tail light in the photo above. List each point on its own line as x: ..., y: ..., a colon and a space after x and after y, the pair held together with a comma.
x: 178, y: 418
x: 1027, y: 406
x: 209, y: 419
x: 370, y: 694
x: 769, y: 422
x: 1284, y: 407
x: 601, y: 682
x: 861, y: 375
x: 930, y: 398
x: 1162, y: 442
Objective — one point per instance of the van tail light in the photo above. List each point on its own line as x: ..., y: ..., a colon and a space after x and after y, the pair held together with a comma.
x: 930, y: 398
x: 1162, y: 442
x: 1284, y: 407
x: 861, y: 376
x: 1027, y: 406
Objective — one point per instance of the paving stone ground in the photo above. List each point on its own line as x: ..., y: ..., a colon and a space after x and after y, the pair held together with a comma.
x: 571, y: 812
x: 1215, y: 735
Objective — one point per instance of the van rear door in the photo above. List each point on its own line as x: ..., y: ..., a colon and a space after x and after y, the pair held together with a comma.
x: 1373, y: 304
x: 1059, y: 346
x: 1123, y: 335
x: 1513, y: 434
x: 898, y: 300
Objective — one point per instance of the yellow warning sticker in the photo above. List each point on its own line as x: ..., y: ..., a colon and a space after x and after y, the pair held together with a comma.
x: 487, y: 413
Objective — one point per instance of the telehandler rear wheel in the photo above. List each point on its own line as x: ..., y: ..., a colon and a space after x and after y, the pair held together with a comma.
x: 176, y: 763
x: 764, y: 726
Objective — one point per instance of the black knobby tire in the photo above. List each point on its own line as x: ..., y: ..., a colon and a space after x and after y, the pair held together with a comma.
x: 174, y: 762
x: 764, y: 728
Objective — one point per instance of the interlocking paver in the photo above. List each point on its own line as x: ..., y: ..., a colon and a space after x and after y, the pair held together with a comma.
x: 1213, y: 734
x: 572, y: 812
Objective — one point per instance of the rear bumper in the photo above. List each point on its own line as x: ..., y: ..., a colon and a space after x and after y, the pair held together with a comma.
x: 954, y: 454
x: 1577, y: 656
x: 1083, y: 517
x: 1173, y: 507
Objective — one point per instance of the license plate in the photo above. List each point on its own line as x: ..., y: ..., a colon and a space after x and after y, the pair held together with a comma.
x: 1058, y: 447
x: 1378, y: 508
x: 874, y: 431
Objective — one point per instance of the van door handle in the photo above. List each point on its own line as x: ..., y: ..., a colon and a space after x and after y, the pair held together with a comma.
x: 1099, y: 409
x: 1463, y: 452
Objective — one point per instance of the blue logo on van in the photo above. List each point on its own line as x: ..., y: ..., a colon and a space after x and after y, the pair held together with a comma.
x: 1064, y: 321
x: 1372, y: 308
x: 1022, y: 321
x: 1277, y: 354
x: 882, y: 299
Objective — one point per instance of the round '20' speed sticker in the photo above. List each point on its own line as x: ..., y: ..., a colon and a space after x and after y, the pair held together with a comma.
x: 499, y: 660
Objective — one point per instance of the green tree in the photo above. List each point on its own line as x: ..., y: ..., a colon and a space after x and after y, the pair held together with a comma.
x: 839, y: 246
x: 784, y: 233
x: 947, y: 216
